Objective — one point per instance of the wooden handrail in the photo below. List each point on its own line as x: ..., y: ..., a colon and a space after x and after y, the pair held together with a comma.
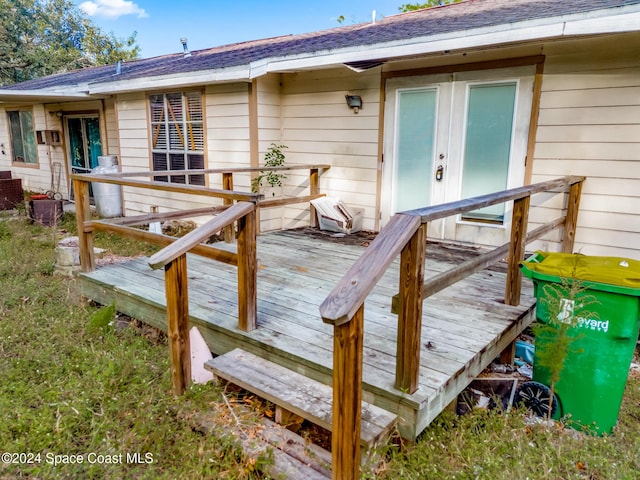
x: 206, y: 251
x: 428, y: 214
x: 476, y: 264
x: 170, y: 187
x: 158, y: 173
x: 227, y: 194
x: 195, y: 237
x: 406, y: 233
x: 280, y: 202
x: 346, y: 298
x: 158, y: 217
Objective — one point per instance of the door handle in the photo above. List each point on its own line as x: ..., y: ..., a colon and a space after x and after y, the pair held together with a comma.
x: 439, y: 173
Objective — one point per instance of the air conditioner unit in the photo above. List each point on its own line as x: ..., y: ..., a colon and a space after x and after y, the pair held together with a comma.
x: 48, y: 137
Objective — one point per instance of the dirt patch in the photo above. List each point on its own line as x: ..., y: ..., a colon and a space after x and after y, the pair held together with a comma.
x: 151, y: 333
x: 361, y: 239
x: 436, y: 250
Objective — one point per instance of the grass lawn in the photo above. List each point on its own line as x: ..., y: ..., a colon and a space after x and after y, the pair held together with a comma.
x: 80, y: 401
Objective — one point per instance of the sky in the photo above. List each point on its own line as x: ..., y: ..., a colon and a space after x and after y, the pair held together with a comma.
x: 161, y: 23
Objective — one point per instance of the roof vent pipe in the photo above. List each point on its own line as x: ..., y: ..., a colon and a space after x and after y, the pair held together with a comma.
x: 373, y: 17
x: 118, y: 67
x: 186, y: 52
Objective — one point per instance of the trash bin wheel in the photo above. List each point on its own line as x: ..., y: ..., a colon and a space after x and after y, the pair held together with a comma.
x: 535, y: 397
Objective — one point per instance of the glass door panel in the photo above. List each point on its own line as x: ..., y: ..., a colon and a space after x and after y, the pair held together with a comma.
x: 416, y: 125
x: 76, y: 144
x: 94, y: 145
x: 487, y: 147
x: 83, y: 134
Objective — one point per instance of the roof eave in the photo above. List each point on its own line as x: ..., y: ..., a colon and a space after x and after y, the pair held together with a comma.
x: 618, y: 20
x: 487, y: 37
x: 41, y: 96
x: 188, y: 79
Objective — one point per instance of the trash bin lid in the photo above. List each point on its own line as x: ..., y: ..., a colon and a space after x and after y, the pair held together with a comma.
x: 623, y: 272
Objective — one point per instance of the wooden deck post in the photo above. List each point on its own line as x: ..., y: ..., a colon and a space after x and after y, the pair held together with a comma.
x: 175, y: 275
x: 519, y: 222
x: 347, y: 397
x: 314, y: 189
x: 247, y: 272
x: 573, y: 205
x: 411, y: 282
x: 508, y: 355
x: 227, y: 184
x: 83, y: 214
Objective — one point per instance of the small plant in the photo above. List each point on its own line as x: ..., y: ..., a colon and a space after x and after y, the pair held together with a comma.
x: 567, y: 304
x: 101, y: 319
x: 273, y: 158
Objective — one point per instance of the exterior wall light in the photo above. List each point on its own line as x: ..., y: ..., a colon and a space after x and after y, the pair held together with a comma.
x: 354, y: 101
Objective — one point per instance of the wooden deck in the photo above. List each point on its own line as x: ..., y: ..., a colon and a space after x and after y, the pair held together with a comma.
x: 464, y: 326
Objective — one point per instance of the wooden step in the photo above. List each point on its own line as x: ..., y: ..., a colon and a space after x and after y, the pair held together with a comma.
x: 296, y: 393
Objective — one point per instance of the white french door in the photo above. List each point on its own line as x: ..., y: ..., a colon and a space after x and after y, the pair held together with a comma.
x: 455, y: 136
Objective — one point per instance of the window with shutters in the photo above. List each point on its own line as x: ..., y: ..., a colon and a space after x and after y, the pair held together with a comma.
x: 177, y: 135
x: 23, y: 138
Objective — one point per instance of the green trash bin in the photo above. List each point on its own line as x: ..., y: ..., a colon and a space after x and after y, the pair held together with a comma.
x: 604, y: 333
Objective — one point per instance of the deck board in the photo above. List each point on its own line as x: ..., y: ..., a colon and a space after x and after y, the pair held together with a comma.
x: 464, y: 326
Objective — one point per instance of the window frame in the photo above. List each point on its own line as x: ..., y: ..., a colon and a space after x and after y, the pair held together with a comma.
x: 172, y: 127
x: 31, y: 149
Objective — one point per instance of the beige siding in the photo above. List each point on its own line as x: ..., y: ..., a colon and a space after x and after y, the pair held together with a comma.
x: 590, y: 125
x: 227, y: 144
x: 59, y: 154
x: 227, y: 117
x: 270, y: 131
x: 318, y: 127
x: 110, y: 121
x: 227, y: 123
x: 135, y: 156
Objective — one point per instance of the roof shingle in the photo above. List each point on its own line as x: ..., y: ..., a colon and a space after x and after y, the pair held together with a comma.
x: 404, y: 27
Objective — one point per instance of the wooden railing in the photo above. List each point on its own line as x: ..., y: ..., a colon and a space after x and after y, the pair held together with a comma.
x: 406, y: 234
x: 239, y: 208
x: 123, y: 225
x: 174, y: 260
x: 125, y: 179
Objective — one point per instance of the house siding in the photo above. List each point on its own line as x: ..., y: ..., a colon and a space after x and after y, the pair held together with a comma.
x: 110, y: 116
x: 38, y: 178
x: 318, y: 127
x: 590, y: 125
x: 227, y: 144
x: 269, y: 130
x: 227, y: 124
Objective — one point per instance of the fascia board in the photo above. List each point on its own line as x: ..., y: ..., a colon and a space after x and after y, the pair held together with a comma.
x: 524, y: 32
x: 41, y: 96
x: 173, y: 80
x: 615, y: 24
x: 417, y: 47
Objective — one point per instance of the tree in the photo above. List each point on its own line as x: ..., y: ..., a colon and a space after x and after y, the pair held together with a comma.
x: 43, y: 37
x: 408, y: 7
